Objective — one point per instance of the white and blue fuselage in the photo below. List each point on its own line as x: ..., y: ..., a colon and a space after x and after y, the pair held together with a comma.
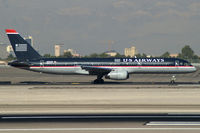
x: 131, y: 65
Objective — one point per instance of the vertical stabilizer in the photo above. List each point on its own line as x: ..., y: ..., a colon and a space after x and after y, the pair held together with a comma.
x: 23, y: 50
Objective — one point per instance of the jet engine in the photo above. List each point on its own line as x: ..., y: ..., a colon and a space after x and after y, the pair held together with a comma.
x: 117, y: 75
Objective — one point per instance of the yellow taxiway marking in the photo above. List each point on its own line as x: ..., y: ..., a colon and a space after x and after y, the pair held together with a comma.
x: 75, y: 83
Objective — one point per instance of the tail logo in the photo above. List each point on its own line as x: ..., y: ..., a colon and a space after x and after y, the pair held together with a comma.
x: 21, y: 47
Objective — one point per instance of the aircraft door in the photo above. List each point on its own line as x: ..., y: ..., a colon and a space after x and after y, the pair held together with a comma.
x: 41, y: 63
x: 177, y: 63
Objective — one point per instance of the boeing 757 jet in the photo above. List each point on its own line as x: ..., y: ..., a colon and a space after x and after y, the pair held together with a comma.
x: 110, y: 68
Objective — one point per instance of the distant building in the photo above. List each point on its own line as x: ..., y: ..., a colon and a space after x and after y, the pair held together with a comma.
x: 9, y: 49
x: 57, y: 50
x: 3, y: 51
x: 111, y: 53
x: 73, y: 52
x: 173, y: 55
x: 3, y: 63
x: 29, y: 39
x: 130, y: 51
x: 149, y: 56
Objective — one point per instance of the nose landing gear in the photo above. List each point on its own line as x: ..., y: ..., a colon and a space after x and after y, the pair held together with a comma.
x: 173, y: 79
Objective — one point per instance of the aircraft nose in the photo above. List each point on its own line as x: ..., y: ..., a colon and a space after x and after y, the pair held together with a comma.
x: 194, y: 69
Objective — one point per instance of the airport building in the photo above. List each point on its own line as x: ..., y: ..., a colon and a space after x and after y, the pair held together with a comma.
x: 130, y: 51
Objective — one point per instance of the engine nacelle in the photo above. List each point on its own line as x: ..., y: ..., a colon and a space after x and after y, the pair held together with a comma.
x: 117, y: 75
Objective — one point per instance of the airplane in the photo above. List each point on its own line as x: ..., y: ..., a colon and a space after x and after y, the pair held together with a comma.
x: 110, y: 68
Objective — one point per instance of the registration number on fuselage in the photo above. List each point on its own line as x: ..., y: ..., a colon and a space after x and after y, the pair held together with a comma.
x: 50, y: 62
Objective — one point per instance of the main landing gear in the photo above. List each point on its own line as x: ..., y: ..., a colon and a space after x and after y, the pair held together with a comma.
x: 99, y: 80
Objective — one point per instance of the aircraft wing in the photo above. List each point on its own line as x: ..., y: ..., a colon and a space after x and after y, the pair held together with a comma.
x: 96, y: 70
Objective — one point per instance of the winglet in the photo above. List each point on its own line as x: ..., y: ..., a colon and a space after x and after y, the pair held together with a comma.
x: 11, y: 31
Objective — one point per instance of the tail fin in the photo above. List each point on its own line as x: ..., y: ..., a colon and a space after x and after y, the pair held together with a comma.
x: 23, y: 50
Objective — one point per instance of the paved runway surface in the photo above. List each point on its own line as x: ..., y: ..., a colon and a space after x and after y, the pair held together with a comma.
x: 75, y: 99
x: 43, y: 94
x: 32, y: 92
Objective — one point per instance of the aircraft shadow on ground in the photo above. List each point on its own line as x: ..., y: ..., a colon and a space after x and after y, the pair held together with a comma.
x: 90, y: 83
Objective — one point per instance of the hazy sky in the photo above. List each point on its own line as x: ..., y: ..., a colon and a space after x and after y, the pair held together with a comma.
x: 153, y: 26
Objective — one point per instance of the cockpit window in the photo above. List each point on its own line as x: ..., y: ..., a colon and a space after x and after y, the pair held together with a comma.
x: 182, y: 63
x: 187, y: 64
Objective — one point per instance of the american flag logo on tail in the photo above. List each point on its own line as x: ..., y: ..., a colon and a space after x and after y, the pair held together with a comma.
x: 21, y: 47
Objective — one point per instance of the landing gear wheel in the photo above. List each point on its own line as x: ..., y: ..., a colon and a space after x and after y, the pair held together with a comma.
x: 101, y: 81
x: 98, y: 81
x: 173, y: 79
x: 95, y: 81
